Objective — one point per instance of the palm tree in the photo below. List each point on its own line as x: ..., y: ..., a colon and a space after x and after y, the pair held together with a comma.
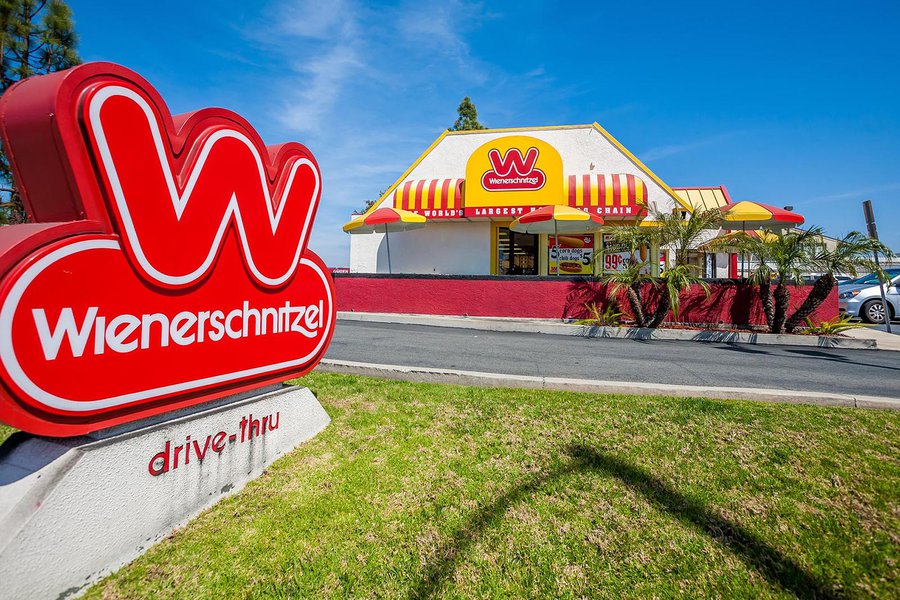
x: 631, y: 279
x: 852, y: 251
x: 673, y: 281
x: 666, y: 229
x: 754, y: 244
x: 784, y: 254
x: 684, y: 235
x: 634, y: 237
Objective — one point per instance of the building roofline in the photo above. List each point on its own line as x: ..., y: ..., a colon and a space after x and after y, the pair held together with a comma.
x: 517, y: 129
x: 595, y: 126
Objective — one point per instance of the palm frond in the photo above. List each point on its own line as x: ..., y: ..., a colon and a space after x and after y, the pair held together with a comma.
x: 685, y: 234
x: 677, y: 279
x: 852, y: 252
x: 633, y: 274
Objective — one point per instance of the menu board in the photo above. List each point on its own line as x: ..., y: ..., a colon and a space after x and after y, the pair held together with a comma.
x: 616, y: 256
x: 575, y: 255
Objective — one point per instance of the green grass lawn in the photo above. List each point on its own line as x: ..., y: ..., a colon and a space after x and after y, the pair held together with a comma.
x: 418, y: 490
x: 5, y: 432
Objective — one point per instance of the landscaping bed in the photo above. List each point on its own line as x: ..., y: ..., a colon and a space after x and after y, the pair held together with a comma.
x: 731, y: 302
x: 419, y: 489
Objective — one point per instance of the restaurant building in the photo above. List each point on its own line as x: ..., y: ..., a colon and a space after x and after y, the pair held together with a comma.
x: 470, y: 185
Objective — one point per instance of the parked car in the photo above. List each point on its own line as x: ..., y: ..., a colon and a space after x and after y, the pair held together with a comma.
x: 859, y: 298
x: 861, y: 283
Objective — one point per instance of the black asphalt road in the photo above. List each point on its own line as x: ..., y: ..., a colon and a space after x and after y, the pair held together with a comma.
x: 868, y: 372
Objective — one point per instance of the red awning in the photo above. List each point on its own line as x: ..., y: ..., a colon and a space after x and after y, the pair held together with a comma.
x: 432, y: 198
x: 618, y: 195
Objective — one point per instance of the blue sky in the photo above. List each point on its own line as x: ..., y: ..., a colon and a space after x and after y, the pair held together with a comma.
x: 787, y: 103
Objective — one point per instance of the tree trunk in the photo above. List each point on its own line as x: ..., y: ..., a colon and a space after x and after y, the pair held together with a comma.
x: 768, y: 305
x: 782, y: 298
x: 817, y: 296
x: 662, y: 308
x: 634, y: 301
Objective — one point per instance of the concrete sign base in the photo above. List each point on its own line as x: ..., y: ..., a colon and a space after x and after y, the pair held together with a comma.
x: 75, y: 509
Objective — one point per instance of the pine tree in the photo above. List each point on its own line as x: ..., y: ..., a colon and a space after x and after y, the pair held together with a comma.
x: 468, y: 117
x: 36, y: 37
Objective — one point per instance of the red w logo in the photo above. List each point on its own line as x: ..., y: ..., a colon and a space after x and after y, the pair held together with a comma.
x: 513, y: 160
x: 513, y: 172
x: 173, y: 220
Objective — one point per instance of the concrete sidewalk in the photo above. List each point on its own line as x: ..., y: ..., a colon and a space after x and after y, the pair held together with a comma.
x: 863, y: 339
x: 883, y: 339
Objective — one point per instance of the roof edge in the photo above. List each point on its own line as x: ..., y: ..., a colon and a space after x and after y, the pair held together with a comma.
x: 640, y: 165
x: 512, y: 129
x: 388, y: 192
x: 596, y: 126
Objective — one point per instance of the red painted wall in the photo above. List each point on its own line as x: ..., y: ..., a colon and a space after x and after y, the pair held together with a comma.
x: 729, y: 303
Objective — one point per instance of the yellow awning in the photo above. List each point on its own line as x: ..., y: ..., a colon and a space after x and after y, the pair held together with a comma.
x: 704, y: 198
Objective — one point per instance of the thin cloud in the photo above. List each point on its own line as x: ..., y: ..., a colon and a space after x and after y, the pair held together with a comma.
x: 860, y: 193
x: 326, y: 37
x: 319, y: 84
x: 367, y: 90
x: 315, y: 19
x: 439, y: 28
x: 661, y: 152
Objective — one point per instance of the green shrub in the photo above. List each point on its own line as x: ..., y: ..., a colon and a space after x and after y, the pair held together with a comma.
x: 610, y: 316
x: 833, y: 326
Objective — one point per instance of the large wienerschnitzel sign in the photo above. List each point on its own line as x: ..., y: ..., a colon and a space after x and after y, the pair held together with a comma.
x: 168, y: 261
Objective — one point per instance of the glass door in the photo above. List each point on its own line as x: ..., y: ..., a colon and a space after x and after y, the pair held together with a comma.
x: 517, y: 253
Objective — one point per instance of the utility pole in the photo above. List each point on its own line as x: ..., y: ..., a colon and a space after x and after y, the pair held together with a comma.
x: 873, y: 234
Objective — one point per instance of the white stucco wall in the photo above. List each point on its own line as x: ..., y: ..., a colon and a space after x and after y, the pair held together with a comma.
x: 364, y: 252
x: 441, y: 248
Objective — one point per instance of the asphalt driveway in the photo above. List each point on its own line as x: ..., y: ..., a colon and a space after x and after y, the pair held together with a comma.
x: 867, y: 372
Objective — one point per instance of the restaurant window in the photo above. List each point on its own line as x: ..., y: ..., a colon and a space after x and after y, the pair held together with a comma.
x: 517, y: 253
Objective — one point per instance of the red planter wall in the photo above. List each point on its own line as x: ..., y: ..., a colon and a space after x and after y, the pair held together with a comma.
x: 729, y: 303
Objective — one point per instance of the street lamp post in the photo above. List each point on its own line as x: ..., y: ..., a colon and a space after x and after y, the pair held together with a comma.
x: 873, y: 233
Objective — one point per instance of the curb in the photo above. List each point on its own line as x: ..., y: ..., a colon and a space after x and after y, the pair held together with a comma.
x: 596, y: 386
x: 555, y: 327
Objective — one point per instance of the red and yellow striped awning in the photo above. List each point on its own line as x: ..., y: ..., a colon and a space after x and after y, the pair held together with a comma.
x: 615, y: 196
x: 432, y: 198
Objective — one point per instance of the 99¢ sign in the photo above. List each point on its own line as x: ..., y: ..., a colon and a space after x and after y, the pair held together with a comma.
x: 167, y: 264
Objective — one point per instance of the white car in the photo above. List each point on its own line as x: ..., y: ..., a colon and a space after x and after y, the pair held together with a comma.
x: 866, y: 303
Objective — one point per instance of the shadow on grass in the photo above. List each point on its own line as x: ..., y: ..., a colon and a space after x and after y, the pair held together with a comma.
x: 778, y: 569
